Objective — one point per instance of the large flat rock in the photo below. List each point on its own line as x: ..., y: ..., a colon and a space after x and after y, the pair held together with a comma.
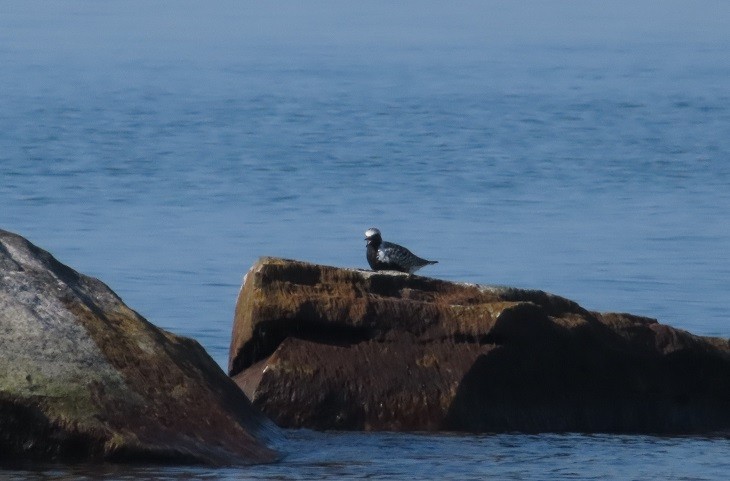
x: 83, y: 377
x: 328, y: 348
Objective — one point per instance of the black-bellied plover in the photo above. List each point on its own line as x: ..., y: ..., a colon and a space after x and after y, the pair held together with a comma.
x: 384, y: 256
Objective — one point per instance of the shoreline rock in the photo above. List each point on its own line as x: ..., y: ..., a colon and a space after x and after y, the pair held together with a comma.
x: 85, y: 378
x: 328, y: 348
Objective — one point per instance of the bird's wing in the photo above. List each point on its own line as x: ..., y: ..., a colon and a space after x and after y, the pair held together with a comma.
x: 396, y: 254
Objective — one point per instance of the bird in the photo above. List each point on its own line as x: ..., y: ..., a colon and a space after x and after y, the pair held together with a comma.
x: 384, y: 255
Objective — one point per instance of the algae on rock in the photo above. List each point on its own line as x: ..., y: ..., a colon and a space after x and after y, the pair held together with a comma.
x: 84, y: 377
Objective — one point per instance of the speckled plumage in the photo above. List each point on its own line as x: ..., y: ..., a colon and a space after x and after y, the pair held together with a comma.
x: 382, y: 255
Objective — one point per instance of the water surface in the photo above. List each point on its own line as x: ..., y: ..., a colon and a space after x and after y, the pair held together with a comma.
x: 574, y: 147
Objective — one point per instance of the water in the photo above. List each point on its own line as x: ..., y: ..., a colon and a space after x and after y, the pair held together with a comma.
x: 336, y: 456
x: 573, y: 147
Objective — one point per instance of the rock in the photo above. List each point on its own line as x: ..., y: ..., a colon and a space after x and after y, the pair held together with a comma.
x: 85, y: 378
x: 327, y: 348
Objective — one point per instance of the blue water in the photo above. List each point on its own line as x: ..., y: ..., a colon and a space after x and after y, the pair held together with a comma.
x: 574, y: 147
x: 336, y: 456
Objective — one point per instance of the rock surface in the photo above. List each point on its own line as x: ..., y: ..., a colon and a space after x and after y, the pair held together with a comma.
x: 328, y: 348
x: 85, y: 378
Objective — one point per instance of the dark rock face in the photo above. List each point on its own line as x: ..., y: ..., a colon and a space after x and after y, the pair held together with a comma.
x: 85, y: 378
x: 327, y: 348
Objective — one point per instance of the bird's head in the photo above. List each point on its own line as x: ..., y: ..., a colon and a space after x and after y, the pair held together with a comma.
x: 372, y: 236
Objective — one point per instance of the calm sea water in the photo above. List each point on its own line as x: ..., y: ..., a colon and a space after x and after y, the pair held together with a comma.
x: 574, y: 147
x: 336, y: 456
